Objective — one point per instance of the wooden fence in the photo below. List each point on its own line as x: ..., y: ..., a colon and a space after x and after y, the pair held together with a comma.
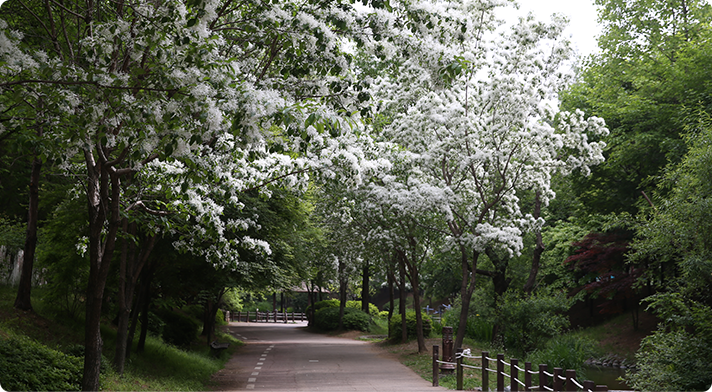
x: 559, y: 380
x: 257, y: 317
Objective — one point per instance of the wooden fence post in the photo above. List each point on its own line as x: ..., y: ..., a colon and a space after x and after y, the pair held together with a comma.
x: 485, y: 373
x: 589, y: 385
x: 514, y: 373
x: 570, y: 375
x: 542, y: 376
x: 458, y: 361
x: 602, y: 388
x: 500, y: 372
x: 527, y: 376
x: 436, y: 372
x: 558, y: 387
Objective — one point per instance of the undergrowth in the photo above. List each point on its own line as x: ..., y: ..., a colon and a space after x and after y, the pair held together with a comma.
x: 37, y: 352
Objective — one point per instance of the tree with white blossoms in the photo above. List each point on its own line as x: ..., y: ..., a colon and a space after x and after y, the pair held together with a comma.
x: 140, y: 85
x: 480, y: 119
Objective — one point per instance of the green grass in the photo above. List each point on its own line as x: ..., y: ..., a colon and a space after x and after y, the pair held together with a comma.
x: 160, y: 367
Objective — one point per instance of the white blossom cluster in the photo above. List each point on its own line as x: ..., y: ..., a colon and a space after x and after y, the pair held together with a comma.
x: 480, y: 123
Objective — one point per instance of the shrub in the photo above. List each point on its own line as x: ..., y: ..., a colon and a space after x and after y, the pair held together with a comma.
x: 30, y: 366
x: 372, y: 309
x: 528, y: 322
x: 673, y: 361
x: 394, y: 325
x: 479, y: 329
x: 327, y: 319
x: 564, y: 351
x: 220, y: 318
x: 356, y: 319
x: 179, y: 330
x: 155, y: 324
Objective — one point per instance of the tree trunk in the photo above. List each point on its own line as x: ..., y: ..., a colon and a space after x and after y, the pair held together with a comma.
x: 404, y: 323
x: 125, y: 298
x: 141, y: 345
x: 365, y: 288
x: 209, y: 320
x: 102, y: 192
x: 415, y: 282
x: 538, y: 249
x: 466, y: 290
x: 342, y: 293
x: 391, y: 292
x: 23, y: 301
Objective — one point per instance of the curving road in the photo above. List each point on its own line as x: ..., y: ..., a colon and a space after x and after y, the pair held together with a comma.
x: 285, y: 357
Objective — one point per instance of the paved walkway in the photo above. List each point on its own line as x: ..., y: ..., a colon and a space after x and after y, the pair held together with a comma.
x: 285, y: 357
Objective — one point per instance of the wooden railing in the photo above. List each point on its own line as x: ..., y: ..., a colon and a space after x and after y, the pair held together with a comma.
x: 258, y: 317
x: 560, y: 380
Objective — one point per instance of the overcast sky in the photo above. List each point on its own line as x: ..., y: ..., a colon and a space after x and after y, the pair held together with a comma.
x: 583, y: 28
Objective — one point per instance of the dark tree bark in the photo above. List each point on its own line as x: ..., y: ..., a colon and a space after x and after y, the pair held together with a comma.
x: 103, y: 202
x: 415, y: 283
x: 538, y: 249
x: 391, y: 294
x: 342, y: 293
x: 404, y: 323
x: 23, y: 301
x: 129, y: 271
x: 466, y: 290
x: 365, y: 287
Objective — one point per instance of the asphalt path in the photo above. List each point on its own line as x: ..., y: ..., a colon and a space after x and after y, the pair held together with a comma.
x: 286, y: 357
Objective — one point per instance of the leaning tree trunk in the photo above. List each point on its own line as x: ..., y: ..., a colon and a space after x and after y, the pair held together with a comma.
x: 23, y: 301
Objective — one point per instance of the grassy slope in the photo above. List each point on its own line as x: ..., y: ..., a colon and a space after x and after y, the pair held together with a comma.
x: 159, y: 368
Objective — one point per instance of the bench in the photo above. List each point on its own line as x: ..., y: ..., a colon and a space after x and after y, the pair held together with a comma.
x: 216, y: 348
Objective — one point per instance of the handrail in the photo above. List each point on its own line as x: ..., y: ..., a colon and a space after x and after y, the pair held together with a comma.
x: 555, y: 381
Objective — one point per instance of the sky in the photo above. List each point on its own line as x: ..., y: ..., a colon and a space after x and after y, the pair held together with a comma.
x: 583, y: 28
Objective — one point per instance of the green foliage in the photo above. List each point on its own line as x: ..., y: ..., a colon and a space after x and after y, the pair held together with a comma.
x: 652, y: 67
x: 155, y: 324
x: 479, y: 329
x: 676, y: 239
x: 178, y: 330
x: 327, y: 303
x: 232, y: 300
x: 220, y: 317
x: 372, y: 309
x: 673, y: 361
x: 528, y: 322
x: 62, y: 256
x: 30, y: 366
x: 327, y: 319
x: 567, y: 351
x: 394, y: 325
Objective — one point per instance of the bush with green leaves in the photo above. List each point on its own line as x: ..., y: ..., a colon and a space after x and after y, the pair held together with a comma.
x: 179, y: 330
x: 372, y: 309
x: 527, y: 322
x: 564, y: 351
x: 394, y: 325
x: 327, y: 319
x: 30, y: 366
x: 673, y: 361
